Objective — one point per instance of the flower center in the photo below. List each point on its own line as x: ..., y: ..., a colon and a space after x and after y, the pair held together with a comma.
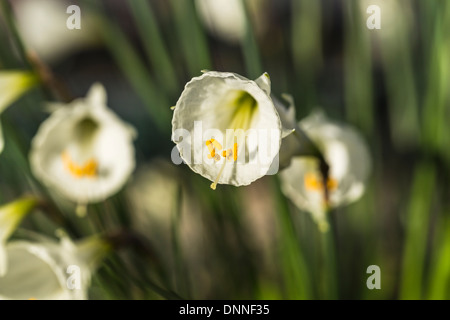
x: 88, y: 169
x: 245, y: 107
x: 85, y: 130
x: 230, y: 154
x: 313, y: 183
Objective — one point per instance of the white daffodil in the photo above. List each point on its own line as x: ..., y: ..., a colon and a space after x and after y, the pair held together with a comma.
x: 227, y: 129
x: 43, y: 25
x: 349, y: 166
x: 83, y: 150
x: 12, y: 85
x: 227, y: 20
x: 11, y: 215
x: 50, y: 270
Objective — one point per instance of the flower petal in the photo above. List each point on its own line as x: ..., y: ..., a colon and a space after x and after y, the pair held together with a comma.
x: 47, y: 270
x: 12, y: 85
x: 32, y: 274
x: 3, y: 260
x: 264, y: 83
x: 97, y: 95
x: 12, y: 214
x: 2, y: 141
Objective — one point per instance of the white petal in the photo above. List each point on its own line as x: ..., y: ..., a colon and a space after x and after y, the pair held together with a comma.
x: 45, y: 270
x: 42, y: 26
x: 11, y: 214
x: 12, y: 85
x: 32, y: 274
x: 97, y: 95
x: 2, y: 142
x: 3, y: 260
x: 264, y: 83
x: 225, y: 18
x: 293, y: 186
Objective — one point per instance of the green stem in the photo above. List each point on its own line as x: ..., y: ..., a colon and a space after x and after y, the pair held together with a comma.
x: 155, y: 47
x: 181, y: 277
x: 250, y: 47
x: 296, y: 276
x: 417, y: 222
x: 439, y: 276
x: 7, y: 10
x: 191, y: 36
x: 329, y: 266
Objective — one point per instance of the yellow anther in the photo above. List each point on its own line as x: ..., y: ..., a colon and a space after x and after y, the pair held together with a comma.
x: 212, y: 146
x: 89, y: 169
x: 216, y: 144
x: 314, y: 184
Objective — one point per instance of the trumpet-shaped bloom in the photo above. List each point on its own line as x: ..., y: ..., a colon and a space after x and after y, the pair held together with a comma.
x: 348, y: 157
x: 83, y: 150
x: 227, y: 129
x: 12, y: 85
x: 11, y: 215
x: 49, y: 270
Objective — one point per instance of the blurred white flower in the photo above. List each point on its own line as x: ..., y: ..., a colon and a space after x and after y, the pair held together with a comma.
x: 49, y: 270
x: 227, y: 20
x: 83, y: 150
x: 397, y: 18
x: 42, y: 24
x: 11, y: 215
x: 12, y: 85
x: 350, y: 164
x: 226, y: 128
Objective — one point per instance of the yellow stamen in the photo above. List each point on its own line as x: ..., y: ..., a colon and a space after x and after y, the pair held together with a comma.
x: 216, y: 144
x: 89, y: 169
x: 230, y: 154
x: 212, y: 153
x: 314, y: 184
x: 227, y: 153
x: 212, y: 146
x: 214, y: 184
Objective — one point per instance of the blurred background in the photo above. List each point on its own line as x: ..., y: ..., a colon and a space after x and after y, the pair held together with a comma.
x: 249, y: 242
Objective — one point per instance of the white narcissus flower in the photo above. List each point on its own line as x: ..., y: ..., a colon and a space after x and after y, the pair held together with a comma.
x: 11, y: 215
x: 227, y: 129
x: 227, y: 20
x: 43, y: 27
x: 350, y: 164
x: 49, y: 270
x: 12, y: 85
x: 83, y: 150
